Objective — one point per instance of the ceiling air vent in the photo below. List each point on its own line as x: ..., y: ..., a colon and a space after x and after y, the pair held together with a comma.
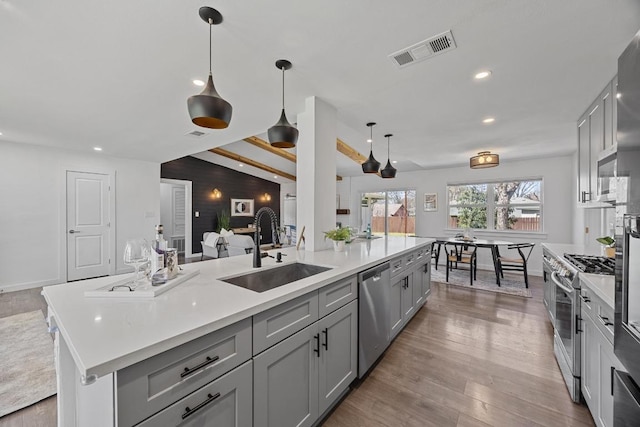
x: 196, y: 134
x: 423, y: 50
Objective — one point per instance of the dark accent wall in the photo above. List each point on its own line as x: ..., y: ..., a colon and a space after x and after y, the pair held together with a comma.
x: 205, y: 177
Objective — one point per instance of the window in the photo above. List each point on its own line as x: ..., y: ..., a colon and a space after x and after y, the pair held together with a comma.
x: 506, y: 205
x: 393, y: 211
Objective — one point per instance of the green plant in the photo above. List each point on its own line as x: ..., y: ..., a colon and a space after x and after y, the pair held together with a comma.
x: 224, y: 221
x: 606, y: 240
x: 340, y: 233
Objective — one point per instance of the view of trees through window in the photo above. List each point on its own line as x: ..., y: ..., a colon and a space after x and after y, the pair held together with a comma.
x: 506, y: 205
x: 400, y: 217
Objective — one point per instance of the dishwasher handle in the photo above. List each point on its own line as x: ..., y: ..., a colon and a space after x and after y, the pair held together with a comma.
x: 374, y: 273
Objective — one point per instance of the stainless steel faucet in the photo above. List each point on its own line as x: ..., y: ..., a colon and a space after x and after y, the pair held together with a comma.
x: 257, y: 257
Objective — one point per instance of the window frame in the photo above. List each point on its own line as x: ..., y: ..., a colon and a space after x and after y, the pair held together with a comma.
x: 491, y: 204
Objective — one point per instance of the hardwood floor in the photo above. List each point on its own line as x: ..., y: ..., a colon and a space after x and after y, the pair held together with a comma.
x: 468, y: 358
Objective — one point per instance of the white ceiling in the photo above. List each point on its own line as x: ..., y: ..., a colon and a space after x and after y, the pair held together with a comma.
x: 79, y: 74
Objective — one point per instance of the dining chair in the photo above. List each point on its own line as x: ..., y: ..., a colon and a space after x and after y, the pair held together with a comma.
x: 517, y: 262
x: 464, y: 255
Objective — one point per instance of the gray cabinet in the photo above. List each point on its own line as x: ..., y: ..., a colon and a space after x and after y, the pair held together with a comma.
x: 598, y: 361
x: 296, y: 380
x: 422, y: 283
x: 408, y: 303
x: 395, y: 305
x: 226, y: 402
x: 596, y: 132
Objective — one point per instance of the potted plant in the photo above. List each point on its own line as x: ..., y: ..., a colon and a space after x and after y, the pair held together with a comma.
x: 224, y: 221
x: 609, y: 243
x: 339, y: 236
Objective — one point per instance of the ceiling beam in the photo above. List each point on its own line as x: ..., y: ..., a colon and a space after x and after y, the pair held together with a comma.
x: 233, y: 156
x: 350, y: 152
x: 261, y: 143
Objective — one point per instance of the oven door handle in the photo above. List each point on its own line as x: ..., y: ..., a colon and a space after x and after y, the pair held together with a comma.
x: 554, y: 277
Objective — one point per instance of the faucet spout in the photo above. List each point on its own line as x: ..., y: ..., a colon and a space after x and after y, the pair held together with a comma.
x: 257, y: 256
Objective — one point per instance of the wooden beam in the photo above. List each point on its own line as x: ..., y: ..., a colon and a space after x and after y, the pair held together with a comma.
x: 245, y: 160
x: 351, y: 153
x: 261, y: 143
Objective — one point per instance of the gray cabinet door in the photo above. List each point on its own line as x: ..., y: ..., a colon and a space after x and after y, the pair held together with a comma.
x: 286, y: 381
x: 607, y: 99
x: 408, y: 306
x: 339, y: 353
x: 395, y: 306
x: 418, y: 293
x: 584, y: 158
x: 596, y: 135
x: 608, y: 362
x: 588, y: 361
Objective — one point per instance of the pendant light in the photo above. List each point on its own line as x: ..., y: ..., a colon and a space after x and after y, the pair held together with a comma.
x: 484, y: 159
x: 283, y: 134
x: 208, y: 109
x: 371, y: 165
x: 388, y: 171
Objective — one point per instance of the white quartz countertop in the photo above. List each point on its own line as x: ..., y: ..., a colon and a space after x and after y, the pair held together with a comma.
x: 106, y: 334
x: 559, y: 249
x: 603, y: 286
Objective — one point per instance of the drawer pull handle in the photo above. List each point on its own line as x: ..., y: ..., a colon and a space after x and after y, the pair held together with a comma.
x: 585, y: 299
x: 317, y: 349
x: 210, y: 398
x: 604, y: 320
x: 325, y: 331
x: 189, y: 371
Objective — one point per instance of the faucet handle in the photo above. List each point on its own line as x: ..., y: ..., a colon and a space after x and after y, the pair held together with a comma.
x: 279, y: 257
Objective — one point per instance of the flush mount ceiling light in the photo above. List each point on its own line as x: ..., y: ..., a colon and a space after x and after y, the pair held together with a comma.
x: 95, y: 148
x: 488, y: 120
x: 371, y: 165
x: 283, y: 134
x: 484, y: 159
x: 208, y: 109
x: 388, y: 171
x: 482, y: 75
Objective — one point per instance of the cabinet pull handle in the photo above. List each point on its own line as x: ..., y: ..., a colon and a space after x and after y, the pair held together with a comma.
x: 210, y: 398
x: 189, y: 371
x: 578, y: 320
x: 326, y: 338
x: 613, y: 370
x: 585, y: 299
x: 604, y: 320
x: 317, y: 349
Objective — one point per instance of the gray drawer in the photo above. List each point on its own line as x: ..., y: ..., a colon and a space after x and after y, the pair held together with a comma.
x: 397, y: 266
x: 410, y: 259
x: 278, y: 323
x: 423, y: 253
x: 151, y: 385
x: 604, y: 320
x: 226, y: 402
x: 335, y: 295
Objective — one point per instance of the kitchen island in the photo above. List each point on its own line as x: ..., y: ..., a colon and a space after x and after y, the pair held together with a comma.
x: 97, y: 337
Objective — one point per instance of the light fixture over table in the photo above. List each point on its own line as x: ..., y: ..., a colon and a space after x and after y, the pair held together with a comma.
x: 208, y: 109
x: 283, y: 134
x: 484, y: 159
x: 371, y: 165
x: 388, y: 171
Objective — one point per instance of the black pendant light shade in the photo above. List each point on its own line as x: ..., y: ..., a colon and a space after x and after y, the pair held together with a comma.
x: 283, y: 134
x: 388, y: 171
x: 208, y: 109
x: 371, y: 165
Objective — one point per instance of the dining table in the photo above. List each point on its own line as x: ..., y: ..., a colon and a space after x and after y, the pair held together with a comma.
x: 478, y: 243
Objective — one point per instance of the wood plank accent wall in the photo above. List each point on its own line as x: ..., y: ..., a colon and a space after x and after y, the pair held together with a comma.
x: 205, y: 177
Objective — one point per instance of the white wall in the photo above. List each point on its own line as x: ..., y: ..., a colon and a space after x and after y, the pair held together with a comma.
x: 33, y: 212
x: 558, y: 200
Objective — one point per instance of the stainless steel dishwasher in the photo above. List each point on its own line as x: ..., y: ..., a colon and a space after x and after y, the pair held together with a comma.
x: 373, y: 325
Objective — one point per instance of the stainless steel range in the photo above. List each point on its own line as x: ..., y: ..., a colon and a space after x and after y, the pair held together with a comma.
x: 563, y: 303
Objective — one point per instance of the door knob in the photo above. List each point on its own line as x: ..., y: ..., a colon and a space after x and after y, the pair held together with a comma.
x: 73, y: 231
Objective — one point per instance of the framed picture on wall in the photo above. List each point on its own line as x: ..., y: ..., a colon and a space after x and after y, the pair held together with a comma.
x: 430, y: 202
x: 241, y: 207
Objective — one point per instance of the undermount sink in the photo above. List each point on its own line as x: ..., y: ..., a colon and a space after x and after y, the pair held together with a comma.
x: 264, y: 280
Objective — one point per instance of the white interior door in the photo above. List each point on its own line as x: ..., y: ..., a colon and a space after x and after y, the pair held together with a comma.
x: 87, y: 225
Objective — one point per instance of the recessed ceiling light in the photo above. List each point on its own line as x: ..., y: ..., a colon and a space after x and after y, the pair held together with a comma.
x: 482, y: 75
x: 198, y: 82
x: 0, y: 133
x: 618, y: 95
x: 240, y: 164
x: 275, y: 176
x: 97, y: 148
x: 489, y: 120
x: 394, y: 161
x: 369, y: 140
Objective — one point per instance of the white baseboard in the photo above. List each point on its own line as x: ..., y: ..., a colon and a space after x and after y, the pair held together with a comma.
x: 28, y: 285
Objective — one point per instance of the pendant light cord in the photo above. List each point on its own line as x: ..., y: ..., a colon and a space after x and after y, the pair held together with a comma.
x: 283, y: 87
x: 210, y: 25
x: 388, y: 138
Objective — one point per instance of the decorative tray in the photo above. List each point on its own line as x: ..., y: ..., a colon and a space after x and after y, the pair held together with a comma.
x: 144, y: 289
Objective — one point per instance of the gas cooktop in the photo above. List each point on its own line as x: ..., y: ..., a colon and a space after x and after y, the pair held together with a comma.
x: 592, y: 264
